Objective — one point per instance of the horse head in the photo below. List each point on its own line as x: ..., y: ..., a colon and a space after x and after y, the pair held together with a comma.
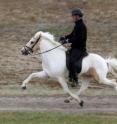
x: 32, y: 45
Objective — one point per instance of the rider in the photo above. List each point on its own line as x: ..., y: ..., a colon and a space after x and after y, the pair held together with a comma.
x: 77, y: 38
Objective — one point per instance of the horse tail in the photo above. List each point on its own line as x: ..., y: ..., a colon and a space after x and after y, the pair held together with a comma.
x: 112, y: 66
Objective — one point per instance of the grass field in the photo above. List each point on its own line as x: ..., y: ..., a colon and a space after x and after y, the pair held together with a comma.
x: 56, y: 118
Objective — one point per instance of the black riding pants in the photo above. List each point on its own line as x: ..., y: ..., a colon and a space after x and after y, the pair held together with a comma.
x: 75, y: 62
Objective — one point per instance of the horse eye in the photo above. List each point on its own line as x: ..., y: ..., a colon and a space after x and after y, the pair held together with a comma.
x: 32, y: 42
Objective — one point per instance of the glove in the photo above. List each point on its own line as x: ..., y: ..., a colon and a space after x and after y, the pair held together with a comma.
x: 62, y: 38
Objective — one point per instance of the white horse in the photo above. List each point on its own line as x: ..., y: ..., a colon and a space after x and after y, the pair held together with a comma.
x: 54, y: 64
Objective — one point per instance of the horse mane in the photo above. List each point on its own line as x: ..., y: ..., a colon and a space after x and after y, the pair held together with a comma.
x: 51, y: 38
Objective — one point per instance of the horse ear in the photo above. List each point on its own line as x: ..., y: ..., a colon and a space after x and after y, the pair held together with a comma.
x: 38, y: 34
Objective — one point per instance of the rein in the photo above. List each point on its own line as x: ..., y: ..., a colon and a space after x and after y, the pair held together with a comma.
x: 49, y: 50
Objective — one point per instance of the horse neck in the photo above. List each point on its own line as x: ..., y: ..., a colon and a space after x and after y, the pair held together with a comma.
x: 46, y: 45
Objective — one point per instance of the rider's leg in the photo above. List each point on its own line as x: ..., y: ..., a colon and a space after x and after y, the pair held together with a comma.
x: 72, y: 71
x: 73, y: 77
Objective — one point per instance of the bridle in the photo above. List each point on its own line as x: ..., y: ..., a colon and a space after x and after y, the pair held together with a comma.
x: 31, y: 48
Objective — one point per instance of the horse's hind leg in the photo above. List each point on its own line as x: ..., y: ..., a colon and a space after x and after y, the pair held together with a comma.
x: 33, y: 75
x: 109, y: 82
x: 84, y: 86
x: 66, y: 89
x: 101, y: 77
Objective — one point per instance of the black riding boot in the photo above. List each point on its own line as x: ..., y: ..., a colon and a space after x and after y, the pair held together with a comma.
x: 73, y: 79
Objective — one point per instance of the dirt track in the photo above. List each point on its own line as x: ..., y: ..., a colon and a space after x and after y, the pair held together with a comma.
x: 106, y: 104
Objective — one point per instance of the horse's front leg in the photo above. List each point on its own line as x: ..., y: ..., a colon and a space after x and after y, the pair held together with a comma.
x: 66, y: 89
x: 40, y: 74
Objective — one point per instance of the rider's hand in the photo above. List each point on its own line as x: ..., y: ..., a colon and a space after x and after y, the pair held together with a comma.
x: 63, y: 40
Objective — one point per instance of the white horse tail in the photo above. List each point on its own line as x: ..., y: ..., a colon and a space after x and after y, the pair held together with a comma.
x: 112, y: 66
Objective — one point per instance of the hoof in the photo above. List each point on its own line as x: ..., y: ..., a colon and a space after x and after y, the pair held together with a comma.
x: 81, y: 103
x: 67, y: 101
x: 24, y: 88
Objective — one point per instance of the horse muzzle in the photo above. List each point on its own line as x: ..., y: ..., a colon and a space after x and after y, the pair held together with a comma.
x: 26, y: 51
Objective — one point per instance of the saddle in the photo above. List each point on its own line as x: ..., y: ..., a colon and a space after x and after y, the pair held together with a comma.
x: 78, y: 63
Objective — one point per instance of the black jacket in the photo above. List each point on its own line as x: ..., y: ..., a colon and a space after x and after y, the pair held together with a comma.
x: 78, y: 36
